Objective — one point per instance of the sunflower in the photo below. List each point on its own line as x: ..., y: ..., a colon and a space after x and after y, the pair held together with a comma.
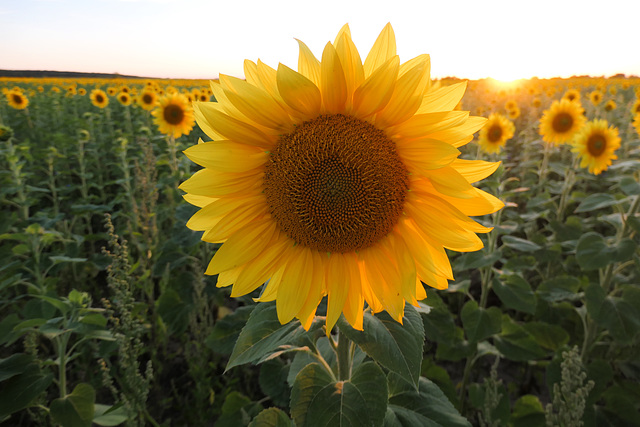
x: 495, y: 133
x: 595, y: 145
x: 595, y: 97
x: 339, y: 179
x: 510, y: 105
x: 147, y: 99
x: 513, y: 113
x: 112, y: 90
x: 635, y: 109
x: 536, y: 103
x: 610, y: 105
x: 572, y: 95
x: 174, y: 115
x: 124, y: 98
x: 82, y: 91
x: 561, y: 121
x: 636, y: 123
x: 99, y: 98
x: 17, y: 99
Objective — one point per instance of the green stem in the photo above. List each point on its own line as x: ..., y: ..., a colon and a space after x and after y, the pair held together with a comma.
x: 344, y: 357
x: 62, y: 368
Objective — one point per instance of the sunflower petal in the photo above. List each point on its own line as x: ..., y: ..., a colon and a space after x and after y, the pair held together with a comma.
x: 383, y: 49
x: 350, y: 60
x: 333, y: 85
x: 229, y: 127
x: 442, y: 99
x: 427, y: 153
x: 294, y: 287
x: 375, y: 92
x: 338, y: 283
x: 298, y: 92
x: 227, y: 156
x: 308, y: 64
x: 422, y: 125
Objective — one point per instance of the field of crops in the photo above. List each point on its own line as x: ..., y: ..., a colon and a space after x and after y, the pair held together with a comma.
x: 106, y: 315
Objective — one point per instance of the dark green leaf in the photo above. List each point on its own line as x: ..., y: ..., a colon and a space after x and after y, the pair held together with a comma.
x: 271, y: 417
x: 515, y: 293
x: 109, y: 416
x: 528, y: 412
x: 561, y: 288
x: 13, y: 365
x: 515, y: 343
x: 75, y: 409
x: 629, y: 186
x: 480, y: 323
x: 596, y: 201
x: 20, y: 390
x: 520, y: 244
x: 174, y: 311
x: 273, y: 381
x: 397, y: 347
x: 318, y: 400
x: 226, y: 331
x: 551, y: 337
x: 592, y: 252
x: 619, y: 316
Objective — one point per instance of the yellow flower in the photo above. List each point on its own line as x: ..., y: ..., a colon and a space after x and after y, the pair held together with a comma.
x: 174, y: 115
x: 510, y: 105
x: 339, y: 179
x: 595, y: 145
x: 561, y: 121
x: 610, y: 105
x: 595, y: 97
x: 513, y: 113
x: 494, y: 135
x: 572, y: 95
x: 536, y: 102
x: 99, y: 98
x: 147, y: 99
x: 636, y: 122
x: 124, y: 98
x: 635, y: 109
x: 82, y: 91
x: 17, y: 100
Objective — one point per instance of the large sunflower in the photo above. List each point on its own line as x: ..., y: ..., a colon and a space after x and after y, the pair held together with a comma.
x: 174, y: 115
x: 17, y: 99
x: 99, y: 98
x: 561, y: 121
x: 595, y: 144
x: 341, y: 179
x: 495, y: 133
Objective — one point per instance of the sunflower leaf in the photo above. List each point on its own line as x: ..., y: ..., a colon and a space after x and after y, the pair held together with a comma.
x: 263, y: 335
x: 397, y: 347
x: 318, y: 400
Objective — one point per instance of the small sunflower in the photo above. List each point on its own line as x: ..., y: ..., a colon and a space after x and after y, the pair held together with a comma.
x: 147, y: 99
x: 494, y: 135
x: 636, y: 123
x: 513, y: 113
x: 635, y: 109
x: 595, y: 97
x: 536, y: 102
x: 82, y: 91
x: 561, y: 121
x: 124, y: 98
x: 99, y: 98
x: 17, y: 100
x: 610, y: 105
x: 595, y: 144
x: 572, y: 95
x: 174, y: 115
x: 341, y: 179
x: 112, y: 90
x: 510, y: 105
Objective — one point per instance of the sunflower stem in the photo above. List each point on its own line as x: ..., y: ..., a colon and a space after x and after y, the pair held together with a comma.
x: 344, y: 357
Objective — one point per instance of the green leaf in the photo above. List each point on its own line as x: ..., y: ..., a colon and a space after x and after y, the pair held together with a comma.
x: 174, y: 311
x: 596, y: 201
x: 427, y: 406
x: 271, y: 417
x: 397, y: 347
x: 226, y: 331
x: 96, y: 319
x: 551, y: 337
x: 528, y: 412
x: 480, y: 323
x: 516, y: 293
x: 618, y: 315
x: 624, y: 250
x: 75, y: 409
x: 561, y: 288
x: 318, y: 400
x: 63, y: 306
x: 520, y: 244
x: 273, y: 381
x: 13, y: 365
x: 516, y: 343
x: 263, y: 334
x: 629, y: 186
x: 18, y: 391
x: 106, y: 415
x: 60, y: 259
x: 592, y: 252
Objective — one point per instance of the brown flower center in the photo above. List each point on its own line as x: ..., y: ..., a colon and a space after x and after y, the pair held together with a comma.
x: 562, y: 122
x: 335, y: 184
x: 596, y: 144
x: 147, y: 99
x: 495, y: 133
x: 99, y: 98
x: 17, y: 99
x: 173, y: 114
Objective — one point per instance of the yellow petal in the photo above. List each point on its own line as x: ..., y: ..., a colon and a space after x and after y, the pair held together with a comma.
x: 206, y: 217
x: 242, y: 247
x: 442, y: 99
x: 316, y: 289
x: 308, y: 64
x: 384, y: 277
x: 426, y: 153
x: 199, y: 109
x: 207, y: 182
x: 270, y: 291
x: 407, y: 95
x: 338, y: 283
x: 396, y: 247
x: 234, y: 222
x: 425, y: 252
x: 422, y: 125
x: 383, y: 49
x: 333, y: 86
x: 350, y: 60
x: 367, y: 290
x: 294, y: 287
x: 199, y: 201
x: 462, y: 134
x: 354, y: 304
x: 474, y: 170
x: 234, y: 129
x: 447, y: 180
x: 227, y: 278
x: 255, y: 103
x: 227, y: 156
x: 298, y: 92
x: 450, y: 211
x: 375, y: 92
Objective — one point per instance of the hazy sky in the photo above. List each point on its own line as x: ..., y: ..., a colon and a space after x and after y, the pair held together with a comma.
x: 200, y: 39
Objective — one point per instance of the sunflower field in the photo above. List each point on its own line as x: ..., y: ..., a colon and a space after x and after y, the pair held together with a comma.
x: 108, y: 318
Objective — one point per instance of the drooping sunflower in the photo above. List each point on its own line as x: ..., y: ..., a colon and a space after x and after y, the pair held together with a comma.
x: 17, y: 99
x: 148, y: 99
x: 495, y: 133
x: 572, y: 95
x: 99, y: 98
x: 339, y: 179
x: 595, y: 97
x: 595, y: 144
x: 124, y: 98
x: 561, y: 121
x: 174, y: 115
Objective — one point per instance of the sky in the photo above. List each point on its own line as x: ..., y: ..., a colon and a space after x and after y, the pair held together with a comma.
x: 201, y: 39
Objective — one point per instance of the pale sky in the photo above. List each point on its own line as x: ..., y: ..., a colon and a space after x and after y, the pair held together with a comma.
x: 202, y: 39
